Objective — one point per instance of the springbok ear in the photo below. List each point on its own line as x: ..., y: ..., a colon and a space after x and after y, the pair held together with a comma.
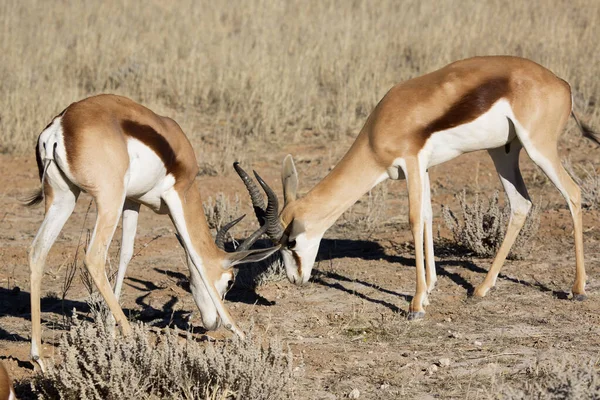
x: 289, y: 178
x: 248, y: 256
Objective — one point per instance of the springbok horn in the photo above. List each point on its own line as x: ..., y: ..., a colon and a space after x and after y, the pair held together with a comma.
x: 220, y: 238
x: 258, y: 202
x: 246, y: 244
x: 274, y: 230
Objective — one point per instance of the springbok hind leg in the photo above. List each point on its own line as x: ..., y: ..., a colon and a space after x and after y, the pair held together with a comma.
x: 431, y: 277
x: 60, y: 203
x: 547, y: 158
x: 507, y: 166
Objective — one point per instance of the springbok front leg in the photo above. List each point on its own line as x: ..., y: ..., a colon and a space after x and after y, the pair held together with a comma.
x: 109, y: 203
x: 415, y: 179
x: 507, y: 166
x: 182, y: 206
x: 60, y: 202
x: 131, y: 212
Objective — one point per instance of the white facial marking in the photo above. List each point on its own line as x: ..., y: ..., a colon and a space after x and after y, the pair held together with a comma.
x: 305, y: 252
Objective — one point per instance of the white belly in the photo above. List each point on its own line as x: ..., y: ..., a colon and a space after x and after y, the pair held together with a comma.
x: 147, y: 177
x: 489, y: 131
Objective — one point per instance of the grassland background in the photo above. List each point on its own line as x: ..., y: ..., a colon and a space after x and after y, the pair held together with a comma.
x: 239, y: 72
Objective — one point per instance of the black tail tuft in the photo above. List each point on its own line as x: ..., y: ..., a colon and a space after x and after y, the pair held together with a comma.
x: 32, y: 199
x: 587, y: 131
x: 590, y: 134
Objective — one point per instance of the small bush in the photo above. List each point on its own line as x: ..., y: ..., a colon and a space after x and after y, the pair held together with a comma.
x: 483, y: 226
x: 97, y: 365
x: 220, y: 211
x: 258, y: 274
x: 559, y: 379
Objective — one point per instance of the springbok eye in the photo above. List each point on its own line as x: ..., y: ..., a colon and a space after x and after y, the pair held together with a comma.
x: 291, y: 244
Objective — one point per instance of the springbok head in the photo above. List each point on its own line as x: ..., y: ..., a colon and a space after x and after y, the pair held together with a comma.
x: 298, y: 237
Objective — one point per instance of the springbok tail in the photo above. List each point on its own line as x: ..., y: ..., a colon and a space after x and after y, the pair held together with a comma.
x: 36, y: 196
x: 586, y: 130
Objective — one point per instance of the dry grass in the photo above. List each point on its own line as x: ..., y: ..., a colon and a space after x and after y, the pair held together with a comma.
x: 588, y: 180
x: 368, y: 213
x: 481, y: 227
x: 220, y: 211
x: 555, y: 379
x: 97, y: 365
x: 232, y: 73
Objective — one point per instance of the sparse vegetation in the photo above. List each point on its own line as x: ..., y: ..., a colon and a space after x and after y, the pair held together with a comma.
x: 588, y: 180
x: 368, y: 213
x: 232, y: 73
x: 220, y: 211
x: 252, y: 80
x: 555, y: 379
x: 481, y: 227
x: 96, y: 364
x: 259, y: 274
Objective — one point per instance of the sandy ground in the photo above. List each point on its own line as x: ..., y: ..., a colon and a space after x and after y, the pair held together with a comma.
x: 347, y: 328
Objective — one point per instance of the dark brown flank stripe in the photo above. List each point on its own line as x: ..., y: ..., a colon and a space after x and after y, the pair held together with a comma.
x: 154, y: 140
x: 470, y: 106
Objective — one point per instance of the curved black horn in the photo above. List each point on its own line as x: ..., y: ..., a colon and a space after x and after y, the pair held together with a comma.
x: 246, y: 244
x: 274, y: 230
x: 220, y: 238
x: 258, y: 202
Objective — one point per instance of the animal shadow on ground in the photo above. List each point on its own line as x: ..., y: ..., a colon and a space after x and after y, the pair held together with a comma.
x: 16, y: 303
x: 368, y: 250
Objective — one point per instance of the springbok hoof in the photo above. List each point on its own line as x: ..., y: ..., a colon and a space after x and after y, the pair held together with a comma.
x: 579, y: 297
x: 416, y: 315
x: 480, y: 292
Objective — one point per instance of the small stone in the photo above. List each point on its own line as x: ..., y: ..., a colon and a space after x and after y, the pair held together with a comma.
x: 432, y: 369
x: 384, y: 386
x: 456, y: 335
x: 444, y: 362
x: 354, y: 394
x: 477, y: 343
x: 448, y: 319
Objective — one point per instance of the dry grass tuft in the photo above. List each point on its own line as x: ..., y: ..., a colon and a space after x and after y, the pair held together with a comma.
x: 367, y: 214
x: 220, y: 211
x: 481, y: 227
x: 588, y: 180
x: 97, y: 365
x: 255, y: 275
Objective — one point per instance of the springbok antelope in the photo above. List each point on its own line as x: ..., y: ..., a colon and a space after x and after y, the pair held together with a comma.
x: 125, y: 155
x: 498, y: 104
x: 7, y: 392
